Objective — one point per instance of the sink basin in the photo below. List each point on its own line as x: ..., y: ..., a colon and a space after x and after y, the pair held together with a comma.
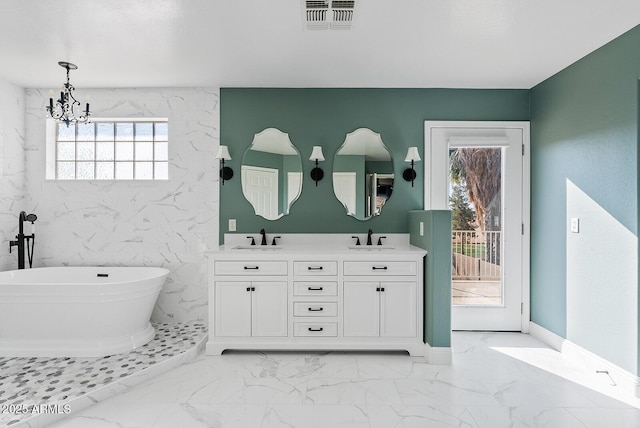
x: 370, y: 247
x: 257, y: 247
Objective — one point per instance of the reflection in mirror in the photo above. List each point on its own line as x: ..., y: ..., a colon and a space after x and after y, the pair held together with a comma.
x: 271, y: 174
x: 363, y: 174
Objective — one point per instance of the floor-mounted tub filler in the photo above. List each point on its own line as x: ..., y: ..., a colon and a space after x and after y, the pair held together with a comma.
x: 77, y: 311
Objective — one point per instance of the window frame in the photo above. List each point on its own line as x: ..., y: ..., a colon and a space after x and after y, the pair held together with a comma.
x: 51, y: 154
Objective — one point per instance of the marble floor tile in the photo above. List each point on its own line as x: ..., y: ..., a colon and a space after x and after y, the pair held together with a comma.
x: 496, y: 380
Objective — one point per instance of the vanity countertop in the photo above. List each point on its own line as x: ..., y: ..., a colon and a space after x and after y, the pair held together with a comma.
x: 317, y: 244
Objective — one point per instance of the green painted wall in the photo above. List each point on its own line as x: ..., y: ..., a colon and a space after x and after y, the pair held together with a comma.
x: 437, y: 272
x: 584, y: 163
x: 324, y: 116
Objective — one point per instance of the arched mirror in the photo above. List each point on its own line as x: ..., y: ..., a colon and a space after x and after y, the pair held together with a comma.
x: 271, y: 174
x: 363, y: 174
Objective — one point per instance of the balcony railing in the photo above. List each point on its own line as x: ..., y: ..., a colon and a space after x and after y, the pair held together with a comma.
x: 476, y: 255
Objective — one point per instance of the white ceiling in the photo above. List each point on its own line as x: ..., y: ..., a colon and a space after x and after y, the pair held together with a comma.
x: 264, y: 43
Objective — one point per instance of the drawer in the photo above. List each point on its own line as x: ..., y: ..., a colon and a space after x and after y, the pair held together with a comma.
x: 380, y: 268
x: 315, y: 309
x: 315, y: 268
x: 315, y: 288
x: 250, y: 268
x: 328, y: 329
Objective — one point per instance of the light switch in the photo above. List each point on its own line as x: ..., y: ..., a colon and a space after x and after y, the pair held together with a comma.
x: 421, y: 228
x: 575, y: 225
x: 232, y: 225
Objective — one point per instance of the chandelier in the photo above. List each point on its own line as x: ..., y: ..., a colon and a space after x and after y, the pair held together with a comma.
x: 67, y: 108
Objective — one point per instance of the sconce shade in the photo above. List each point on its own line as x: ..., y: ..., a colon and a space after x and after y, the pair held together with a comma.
x: 316, y: 154
x: 412, y: 155
x: 223, y: 153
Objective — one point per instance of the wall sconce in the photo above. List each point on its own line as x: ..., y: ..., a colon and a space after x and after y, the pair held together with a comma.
x: 316, y: 155
x: 413, y: 156
x: 225, y: 172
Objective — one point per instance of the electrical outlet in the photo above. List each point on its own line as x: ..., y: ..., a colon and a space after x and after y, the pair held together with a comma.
x: 575, y: 225
x: 232, y: 225
x: 421, y: 228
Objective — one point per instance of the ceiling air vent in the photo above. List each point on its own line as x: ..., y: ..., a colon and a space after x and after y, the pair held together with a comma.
x: 326, y: 14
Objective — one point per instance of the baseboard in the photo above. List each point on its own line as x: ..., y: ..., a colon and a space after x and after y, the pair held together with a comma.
x: 627, y: 382
x: 437, y: 355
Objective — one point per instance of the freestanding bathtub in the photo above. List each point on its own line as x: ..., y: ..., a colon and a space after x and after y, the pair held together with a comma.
x: 77, y: 311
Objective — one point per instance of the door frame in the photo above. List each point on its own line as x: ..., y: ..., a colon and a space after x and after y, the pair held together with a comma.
x: 436, y: 195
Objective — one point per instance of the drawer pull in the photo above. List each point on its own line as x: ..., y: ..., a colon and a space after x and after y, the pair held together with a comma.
x: 251, y: 267
x: 314, y: 268
x: 316, y: 309
x: 315, y: 329
x: 379, y: 268
x: 314, y: 288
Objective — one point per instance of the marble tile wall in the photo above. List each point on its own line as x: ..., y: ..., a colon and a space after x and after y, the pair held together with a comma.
x: 12, y: 167
x: 135, y: 223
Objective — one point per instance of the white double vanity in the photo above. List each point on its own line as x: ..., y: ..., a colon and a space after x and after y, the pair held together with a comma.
x: 316, y: 292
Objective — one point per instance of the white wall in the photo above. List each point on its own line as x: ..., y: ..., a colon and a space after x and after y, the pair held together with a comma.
x: 12, y: 166
x: 154, y: 223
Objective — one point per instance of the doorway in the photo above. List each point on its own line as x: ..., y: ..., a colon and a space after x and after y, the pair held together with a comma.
x: 479, y: 171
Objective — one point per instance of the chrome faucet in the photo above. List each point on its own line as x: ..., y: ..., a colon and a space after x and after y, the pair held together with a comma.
x: 264, y: 237
x: 21, y: 238
x: 369, y: 237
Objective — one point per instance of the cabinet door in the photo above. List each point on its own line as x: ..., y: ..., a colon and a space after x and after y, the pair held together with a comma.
x: 398, y: 308
x: 361, y: 309
x: 233, y: 308
x: 269, y: 302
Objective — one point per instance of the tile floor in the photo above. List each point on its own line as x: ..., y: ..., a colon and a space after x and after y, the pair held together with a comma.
x: 496, y: 380
x: 58, y: 386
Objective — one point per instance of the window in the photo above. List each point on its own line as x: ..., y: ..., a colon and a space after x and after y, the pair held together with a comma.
x: 128, y: 149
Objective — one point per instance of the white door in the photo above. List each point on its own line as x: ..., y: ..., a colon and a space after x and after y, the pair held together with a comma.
x: 344, y: 186
x: 269, y: 303
x: 233, y: 308
x: 398, y: 309
x: 294, y: 187
x: 488, y: 194
x: 260, y: 187
x: 361, y: 309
